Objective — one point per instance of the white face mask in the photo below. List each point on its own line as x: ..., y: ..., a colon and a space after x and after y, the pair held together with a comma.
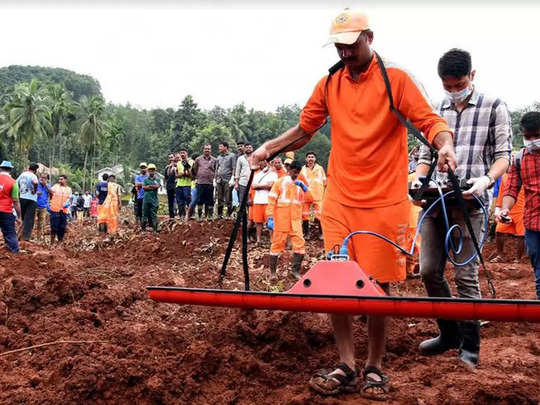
x: 532, y: 146
x: 459, y: 96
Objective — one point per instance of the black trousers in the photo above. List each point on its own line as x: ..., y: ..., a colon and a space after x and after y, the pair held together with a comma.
x: 28, y: 212
x: 171, y: 197
x: 205, y: 195
x: 138, y: 208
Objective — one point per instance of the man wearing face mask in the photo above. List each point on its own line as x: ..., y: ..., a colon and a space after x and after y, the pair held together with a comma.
x: 482, y: 139
x: 367, y: 180
x: 525, y: 172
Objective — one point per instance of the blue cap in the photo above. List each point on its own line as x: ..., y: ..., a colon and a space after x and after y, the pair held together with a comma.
x: 7, y: 164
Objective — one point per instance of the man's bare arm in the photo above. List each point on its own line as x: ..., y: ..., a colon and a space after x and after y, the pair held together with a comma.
x: 295, y: 135
x: 17, y: 206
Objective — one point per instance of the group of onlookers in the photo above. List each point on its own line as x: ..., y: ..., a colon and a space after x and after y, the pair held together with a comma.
x: 27, y: 198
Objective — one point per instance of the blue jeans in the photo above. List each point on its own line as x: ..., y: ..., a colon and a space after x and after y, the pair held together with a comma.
x: 7, y: 224
x: 183, y: 199
x: 532, y: 241
x: 194, y: 197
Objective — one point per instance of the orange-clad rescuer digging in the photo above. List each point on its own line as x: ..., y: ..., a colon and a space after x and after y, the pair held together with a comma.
x: 367, y: 180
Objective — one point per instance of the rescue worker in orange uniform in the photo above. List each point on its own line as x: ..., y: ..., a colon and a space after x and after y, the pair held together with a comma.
x: 367, y: 179
x: 316, y: 181
x: 284, y: 212
x: 512, y: 227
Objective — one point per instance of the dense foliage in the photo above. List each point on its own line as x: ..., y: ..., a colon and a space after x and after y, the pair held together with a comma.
x: 59, y: 118
x: 78, y: 85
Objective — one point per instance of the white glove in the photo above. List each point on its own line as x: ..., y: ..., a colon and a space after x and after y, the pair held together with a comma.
x: 480, y: 185
x: 497, y: 211
x: 231, y: 181
x: 416, y: 184
x: 214, y: 182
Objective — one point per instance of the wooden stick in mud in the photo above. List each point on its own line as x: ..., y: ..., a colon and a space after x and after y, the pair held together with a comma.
x: 52, y: 343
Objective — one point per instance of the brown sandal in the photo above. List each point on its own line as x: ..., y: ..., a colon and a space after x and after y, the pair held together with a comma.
x: 370, y: 382
x: 326, y: 382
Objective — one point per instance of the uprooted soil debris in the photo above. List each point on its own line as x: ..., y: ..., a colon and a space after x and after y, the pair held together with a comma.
x: 131, y: 349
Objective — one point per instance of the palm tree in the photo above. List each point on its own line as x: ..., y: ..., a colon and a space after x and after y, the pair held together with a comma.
x: 61, y: 108
x: 27, y: 116
x: 92, y: 128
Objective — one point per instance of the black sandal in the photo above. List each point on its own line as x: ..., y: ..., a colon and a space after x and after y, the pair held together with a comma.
x: 326, y: 383
x: 370, y: 382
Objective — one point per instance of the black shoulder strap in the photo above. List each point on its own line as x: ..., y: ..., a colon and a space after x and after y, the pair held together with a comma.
x: 410, y: 128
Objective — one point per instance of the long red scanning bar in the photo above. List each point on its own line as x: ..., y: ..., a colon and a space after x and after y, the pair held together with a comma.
x: 343, y: 288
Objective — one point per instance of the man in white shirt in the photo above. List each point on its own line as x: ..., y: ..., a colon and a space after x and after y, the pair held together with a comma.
x: 263, y: 181
x: 242, y: 172
x: 28, y: 183
x: 87, y: 202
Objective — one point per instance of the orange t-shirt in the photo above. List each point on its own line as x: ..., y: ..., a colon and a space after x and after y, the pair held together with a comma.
x: 368, y: 162
x: 517, y: 209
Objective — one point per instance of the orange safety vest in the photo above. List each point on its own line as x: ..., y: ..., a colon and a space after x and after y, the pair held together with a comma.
x: 316, y: 180
x: 59, y: 198
x: 285, y: 205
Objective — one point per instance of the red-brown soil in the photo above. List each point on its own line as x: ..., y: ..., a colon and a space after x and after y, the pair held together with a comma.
x: 143, y: 352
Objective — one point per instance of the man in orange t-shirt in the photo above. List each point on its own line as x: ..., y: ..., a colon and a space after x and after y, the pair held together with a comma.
x: 367, y: 179
x: 513, y: 225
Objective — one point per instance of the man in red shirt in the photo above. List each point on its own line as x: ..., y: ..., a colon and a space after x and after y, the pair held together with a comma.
x: 525, y: 172
x: 9, y: 199
x: 367, y: 179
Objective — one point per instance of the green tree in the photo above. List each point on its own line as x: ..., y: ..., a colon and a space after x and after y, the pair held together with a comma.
x: 92, y: 129
x: 61, y: 108
x: 212, y: 134
x: 27, y: 117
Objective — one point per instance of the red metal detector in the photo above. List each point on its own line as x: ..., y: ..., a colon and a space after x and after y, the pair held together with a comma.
x: 342, y: 287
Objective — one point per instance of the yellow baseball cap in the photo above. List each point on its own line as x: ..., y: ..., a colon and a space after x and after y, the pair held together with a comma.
x: 347, y: 26
x: 151, y: 166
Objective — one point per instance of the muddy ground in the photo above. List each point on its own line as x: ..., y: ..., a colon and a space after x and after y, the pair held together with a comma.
x: 130, y: 349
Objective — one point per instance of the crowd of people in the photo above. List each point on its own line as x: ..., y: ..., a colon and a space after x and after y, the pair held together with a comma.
x: 210, y: 187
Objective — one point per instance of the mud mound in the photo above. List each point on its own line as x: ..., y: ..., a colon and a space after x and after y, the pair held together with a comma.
x: 124, y: 347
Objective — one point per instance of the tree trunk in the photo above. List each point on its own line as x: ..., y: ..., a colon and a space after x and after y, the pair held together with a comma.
x: 84, y: 168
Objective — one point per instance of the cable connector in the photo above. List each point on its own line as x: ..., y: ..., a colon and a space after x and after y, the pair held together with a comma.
x: 337, y: 257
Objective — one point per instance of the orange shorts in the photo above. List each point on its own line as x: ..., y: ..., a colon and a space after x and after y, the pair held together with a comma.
x: 376, y: 257
x: 258, y: 213
x: 515, y: 227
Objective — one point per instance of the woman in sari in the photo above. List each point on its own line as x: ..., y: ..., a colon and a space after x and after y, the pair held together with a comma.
x: 111, y: 204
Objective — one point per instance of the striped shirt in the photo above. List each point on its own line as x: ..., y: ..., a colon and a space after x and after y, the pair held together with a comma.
x: 482, y: 134
x: 529, y: 179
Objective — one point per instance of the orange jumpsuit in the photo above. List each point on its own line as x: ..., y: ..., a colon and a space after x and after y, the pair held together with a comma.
x: 285, y: 202
x: 316, y: 181
x: 368, y: 164
x: 111, y: 207
x: 515, y: 227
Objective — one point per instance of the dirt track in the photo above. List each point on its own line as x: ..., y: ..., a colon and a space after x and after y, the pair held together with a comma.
x: 150, y: 353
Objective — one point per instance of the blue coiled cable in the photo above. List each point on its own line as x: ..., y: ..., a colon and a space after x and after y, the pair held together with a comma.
x: 449, y: 245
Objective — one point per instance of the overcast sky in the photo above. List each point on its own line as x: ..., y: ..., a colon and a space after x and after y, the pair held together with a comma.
x: 154, y: 54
